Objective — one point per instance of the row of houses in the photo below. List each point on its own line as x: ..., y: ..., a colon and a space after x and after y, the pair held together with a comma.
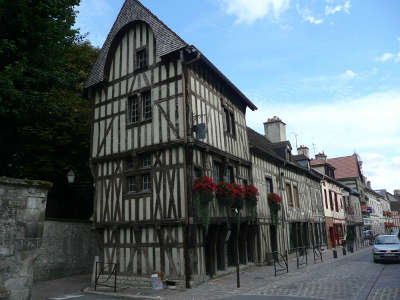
x: 163, y: 115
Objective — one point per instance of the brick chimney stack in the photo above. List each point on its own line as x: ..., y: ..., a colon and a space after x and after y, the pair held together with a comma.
x: 321, y: 156
x: 303, y: 150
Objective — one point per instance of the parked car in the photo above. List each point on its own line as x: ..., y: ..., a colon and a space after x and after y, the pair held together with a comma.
x: 368, y: 234
x: 386, y: 248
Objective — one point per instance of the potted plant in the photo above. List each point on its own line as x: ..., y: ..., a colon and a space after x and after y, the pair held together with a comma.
x: 230, y: 195
x: 274, y: 201
x: 224, y: 194
x: 203, y: 189
x: 250, y: 195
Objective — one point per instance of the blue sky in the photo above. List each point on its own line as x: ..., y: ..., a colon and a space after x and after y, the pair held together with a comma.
x: 328, y: 68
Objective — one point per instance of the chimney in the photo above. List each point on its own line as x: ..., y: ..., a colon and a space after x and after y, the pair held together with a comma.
x: 303, y: 150
x: 321, y: 156
x: 275, y: 130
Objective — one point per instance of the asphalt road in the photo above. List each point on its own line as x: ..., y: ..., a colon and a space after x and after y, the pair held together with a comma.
x: 355, y: 277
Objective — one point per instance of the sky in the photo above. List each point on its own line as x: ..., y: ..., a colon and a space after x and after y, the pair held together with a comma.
x: 330, y: 69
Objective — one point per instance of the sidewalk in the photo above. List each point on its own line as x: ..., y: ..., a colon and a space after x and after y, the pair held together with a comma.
x: 57, y: 287
x: 251, y: 278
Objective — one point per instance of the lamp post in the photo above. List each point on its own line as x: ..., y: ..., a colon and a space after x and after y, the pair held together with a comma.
x: 237, y: 212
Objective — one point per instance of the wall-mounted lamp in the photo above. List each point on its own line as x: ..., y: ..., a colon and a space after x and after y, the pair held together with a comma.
x: 71, y: 176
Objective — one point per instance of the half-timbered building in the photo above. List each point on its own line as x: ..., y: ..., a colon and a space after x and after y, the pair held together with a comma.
x: 163, y: 115
x: 301, y: 218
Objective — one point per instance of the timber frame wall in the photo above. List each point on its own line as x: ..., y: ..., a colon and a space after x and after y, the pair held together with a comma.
x: 157, y: 229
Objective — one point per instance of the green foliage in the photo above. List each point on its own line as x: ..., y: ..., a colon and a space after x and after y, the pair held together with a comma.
x: 44, y: 63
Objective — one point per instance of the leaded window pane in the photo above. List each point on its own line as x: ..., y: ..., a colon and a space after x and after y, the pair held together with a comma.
x: 141, y: 59
x: 146, y: 182
x: 131, y: 184
x: 146, y: 103
x: 133, y: 110
x: 146, y: 162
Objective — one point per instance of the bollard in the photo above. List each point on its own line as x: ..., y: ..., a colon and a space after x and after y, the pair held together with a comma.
x: 334, y: 253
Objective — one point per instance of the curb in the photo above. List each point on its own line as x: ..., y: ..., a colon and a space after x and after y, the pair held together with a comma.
x: 120, y: 295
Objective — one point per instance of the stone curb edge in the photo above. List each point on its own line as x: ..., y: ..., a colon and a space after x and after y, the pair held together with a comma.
x: 120, y: 295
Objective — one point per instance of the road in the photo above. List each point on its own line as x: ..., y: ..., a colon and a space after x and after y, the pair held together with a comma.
x: 354, y: 277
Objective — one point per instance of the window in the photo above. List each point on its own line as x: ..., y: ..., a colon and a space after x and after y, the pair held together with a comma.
x: 146, y: 161
x: 269, y: 185
x: 296, y: 196
x: 146, y: 182
x: 289, y: 194
x: 132, y: 184
x: 330, y: 200
x: 229, y: 122
x: 197, y: 172
x: 139, y: 108
x: 141, y: 59
x: 326, y: 200
x: 129, y: 164
x: 229, y: 175
x: 133, y: 110
x: 336, y: 203
x: 217, y: 172
x: 146, y: 99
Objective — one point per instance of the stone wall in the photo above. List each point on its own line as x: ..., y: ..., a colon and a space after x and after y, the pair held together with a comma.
x: 68, y: 248
x: 22, y: 212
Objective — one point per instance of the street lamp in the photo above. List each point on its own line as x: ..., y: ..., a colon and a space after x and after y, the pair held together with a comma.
x: 71, y: 176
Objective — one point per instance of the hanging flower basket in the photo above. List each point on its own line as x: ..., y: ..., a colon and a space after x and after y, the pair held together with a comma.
x: 230, y: 195
x: 250, y: 194
x: 274, y: 201
x: 203, y: 189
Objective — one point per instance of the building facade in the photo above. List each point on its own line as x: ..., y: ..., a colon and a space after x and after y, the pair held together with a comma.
x: 163, y: 115
x: 300, y: 221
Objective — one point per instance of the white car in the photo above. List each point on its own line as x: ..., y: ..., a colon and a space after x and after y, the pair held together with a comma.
x: 386, y: 248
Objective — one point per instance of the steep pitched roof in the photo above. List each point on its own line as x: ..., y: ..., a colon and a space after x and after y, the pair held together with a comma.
x: 317, y: 162
x: 261, y: 143
x: 346, y: 167
x: 166, y: 40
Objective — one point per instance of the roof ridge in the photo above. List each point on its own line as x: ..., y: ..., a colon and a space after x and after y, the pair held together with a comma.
x: 158, y: 19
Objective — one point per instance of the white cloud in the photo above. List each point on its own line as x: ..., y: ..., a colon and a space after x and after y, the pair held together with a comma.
x: 331, y: 10
x: 349, y: 74
x: 385, y: 57
x: 381, y: 170
x: 367, y: 124
x: 306, y: 15
x: 248, y: 11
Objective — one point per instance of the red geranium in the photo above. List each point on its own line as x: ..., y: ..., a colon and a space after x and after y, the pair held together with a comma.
x: 250, y: 191
x: 204, y: 185
x: 233, y: 190
x: 274, y: 198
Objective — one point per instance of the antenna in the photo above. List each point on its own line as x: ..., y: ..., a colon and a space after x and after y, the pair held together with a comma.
x: 295, y: 136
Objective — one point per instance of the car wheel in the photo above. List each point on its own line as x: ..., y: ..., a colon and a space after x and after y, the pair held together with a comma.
x: 376, y: 261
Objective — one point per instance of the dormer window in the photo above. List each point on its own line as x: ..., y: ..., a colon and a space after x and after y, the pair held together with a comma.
x: 141, y: 61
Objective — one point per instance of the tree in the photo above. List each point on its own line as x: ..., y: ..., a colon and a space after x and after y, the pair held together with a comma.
x: 44, y: 62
